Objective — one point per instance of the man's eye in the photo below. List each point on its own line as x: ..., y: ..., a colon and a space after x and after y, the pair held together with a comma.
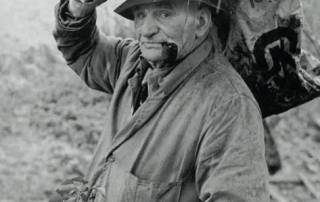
x: 164, y: 14
x: 139, y: 15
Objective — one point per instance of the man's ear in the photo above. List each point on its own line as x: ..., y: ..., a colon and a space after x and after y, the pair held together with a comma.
x: 203, y: 21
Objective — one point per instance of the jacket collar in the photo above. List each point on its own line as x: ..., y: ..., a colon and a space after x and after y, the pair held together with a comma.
x: 169, y: 78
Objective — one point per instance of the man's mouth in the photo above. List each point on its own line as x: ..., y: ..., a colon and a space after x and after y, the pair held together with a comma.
x: 170, y: 50
x: 152, y: 45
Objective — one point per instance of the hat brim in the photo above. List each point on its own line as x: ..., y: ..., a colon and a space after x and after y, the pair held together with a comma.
x: 125, y: 9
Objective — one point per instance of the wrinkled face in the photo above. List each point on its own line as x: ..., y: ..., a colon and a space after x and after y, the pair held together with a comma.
x: 159, y: 23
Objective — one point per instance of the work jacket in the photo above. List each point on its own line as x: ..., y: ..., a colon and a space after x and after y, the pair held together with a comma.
x: 197, y: 137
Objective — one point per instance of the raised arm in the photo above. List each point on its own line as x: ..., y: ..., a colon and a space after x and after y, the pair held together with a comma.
x: 96, y: 58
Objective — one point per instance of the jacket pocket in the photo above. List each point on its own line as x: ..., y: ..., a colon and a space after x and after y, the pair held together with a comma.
x: 122, y: 186
x: 157, y: 192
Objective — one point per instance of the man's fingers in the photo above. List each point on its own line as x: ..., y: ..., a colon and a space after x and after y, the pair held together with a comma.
x: 75, y: 180
x: 66, y: 189
x: 96, y: 2
x: 87, y: 1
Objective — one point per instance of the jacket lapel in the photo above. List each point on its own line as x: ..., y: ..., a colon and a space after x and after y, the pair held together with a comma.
x: 143, y: 114
x: 171, y: 82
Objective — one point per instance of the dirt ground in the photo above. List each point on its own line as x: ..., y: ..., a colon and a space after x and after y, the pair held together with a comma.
x: 50, y: 121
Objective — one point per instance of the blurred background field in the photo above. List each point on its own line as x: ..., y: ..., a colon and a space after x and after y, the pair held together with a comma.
x: 50, y: 121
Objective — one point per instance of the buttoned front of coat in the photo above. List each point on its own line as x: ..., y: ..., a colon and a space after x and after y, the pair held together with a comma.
x: 197, y: 137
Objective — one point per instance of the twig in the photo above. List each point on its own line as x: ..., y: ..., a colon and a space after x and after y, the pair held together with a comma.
x: 315, y: 43
x: 314, y: 154
x: 285, y: 179
x: 309, y: 185
x: 276, y: 194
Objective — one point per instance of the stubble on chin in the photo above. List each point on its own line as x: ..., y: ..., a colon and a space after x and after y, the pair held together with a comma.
x: 153, y: 56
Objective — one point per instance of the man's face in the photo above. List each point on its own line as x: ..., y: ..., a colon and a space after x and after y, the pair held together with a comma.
x: 159, y: 23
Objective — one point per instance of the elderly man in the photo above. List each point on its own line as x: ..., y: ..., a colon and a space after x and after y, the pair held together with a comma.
x: 182, y: 124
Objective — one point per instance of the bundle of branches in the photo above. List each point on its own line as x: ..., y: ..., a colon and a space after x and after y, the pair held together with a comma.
x: 264, y: 45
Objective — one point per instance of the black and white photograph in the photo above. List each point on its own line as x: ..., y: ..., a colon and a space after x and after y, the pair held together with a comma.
x: 160, y: 101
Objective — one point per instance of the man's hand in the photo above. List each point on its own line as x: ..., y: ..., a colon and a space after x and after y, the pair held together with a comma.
x: 72, y: 190
x: 81, y: 8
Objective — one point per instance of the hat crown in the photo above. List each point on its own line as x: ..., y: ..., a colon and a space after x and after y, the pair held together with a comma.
x: 125, y: 8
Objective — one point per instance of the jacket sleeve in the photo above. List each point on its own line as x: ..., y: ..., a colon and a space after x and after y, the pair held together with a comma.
x: 230, y: 165
x: 96, y: 58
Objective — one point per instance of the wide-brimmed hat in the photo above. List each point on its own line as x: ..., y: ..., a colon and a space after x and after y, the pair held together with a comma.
x: 125, y: 9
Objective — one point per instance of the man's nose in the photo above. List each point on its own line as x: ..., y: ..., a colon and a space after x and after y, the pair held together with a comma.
x: 149, y: 27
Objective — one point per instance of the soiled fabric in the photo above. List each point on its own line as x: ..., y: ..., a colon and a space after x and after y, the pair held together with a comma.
x: 264, y: 46
x: 197, y: 137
